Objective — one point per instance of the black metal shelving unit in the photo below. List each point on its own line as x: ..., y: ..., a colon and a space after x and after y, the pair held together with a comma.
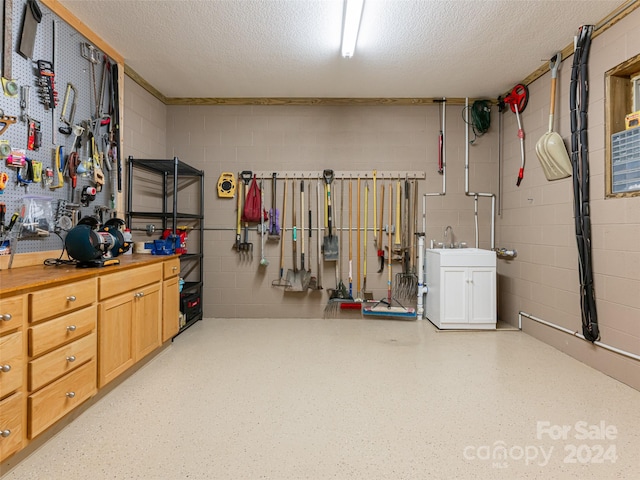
x: 172, y: 171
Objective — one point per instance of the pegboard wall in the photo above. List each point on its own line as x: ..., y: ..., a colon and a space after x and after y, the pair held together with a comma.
x: 75, y: 62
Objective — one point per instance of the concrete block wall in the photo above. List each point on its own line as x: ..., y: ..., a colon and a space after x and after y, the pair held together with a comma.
x: 311, y: 138
x: 538, y: 221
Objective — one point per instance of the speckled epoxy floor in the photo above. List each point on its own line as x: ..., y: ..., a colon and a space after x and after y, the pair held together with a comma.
x: 349, y: 399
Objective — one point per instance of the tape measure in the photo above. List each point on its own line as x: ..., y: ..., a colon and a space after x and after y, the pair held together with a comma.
x: 226, y: 185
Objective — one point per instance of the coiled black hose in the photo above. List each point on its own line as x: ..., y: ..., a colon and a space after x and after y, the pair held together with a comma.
x: 580, y: 167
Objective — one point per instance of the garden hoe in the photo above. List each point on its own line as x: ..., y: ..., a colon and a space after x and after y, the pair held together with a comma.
x: 294, y: 277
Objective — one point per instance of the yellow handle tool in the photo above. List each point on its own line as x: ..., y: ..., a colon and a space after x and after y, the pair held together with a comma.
x: 398, y: 195
x: 58, y: 158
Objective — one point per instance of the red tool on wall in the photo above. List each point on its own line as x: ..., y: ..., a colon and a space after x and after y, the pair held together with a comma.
x: 517, y: 100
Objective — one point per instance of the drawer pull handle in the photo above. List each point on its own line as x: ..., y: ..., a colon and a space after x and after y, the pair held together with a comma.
x: 139, y: 295
x: 71, y: 298
x: 71, y: 358
x: 5, y: 368
x: 6, y: 317
x: 5, y: 433
x: 174, y: 268
x: 71, y: 328
x: 71, y: 394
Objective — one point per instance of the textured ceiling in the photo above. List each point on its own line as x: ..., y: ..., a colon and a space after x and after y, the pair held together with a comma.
x: 291, y: 48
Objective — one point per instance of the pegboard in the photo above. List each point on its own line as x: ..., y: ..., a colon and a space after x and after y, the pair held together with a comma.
x: 59, y: 43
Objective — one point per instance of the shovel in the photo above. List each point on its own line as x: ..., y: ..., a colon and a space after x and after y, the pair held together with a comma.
x: 330, y: 242
x: 294, y: 277
x: 550, y: 149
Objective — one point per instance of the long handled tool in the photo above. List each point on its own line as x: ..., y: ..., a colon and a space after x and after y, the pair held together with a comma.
x: 407, y: 281
x: 263, y: 261
x: 305, y: 275
x: 245, y: 246
x: 340, y: 294
x: 384, y: 307
x: 330, y: 241
x: 358, y: 290
x: 350, y: 240
x: 550, y: 149
x: 318, y: 242
x: 281, y: 282
x: 313, y: 280
x: 380, y: 248
x: 294, y: 276
x: 367, y: 296
x: 239, y: 219
x: 274, y: 228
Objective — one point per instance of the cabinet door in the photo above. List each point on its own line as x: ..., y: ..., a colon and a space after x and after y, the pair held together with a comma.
x: 454, y: 295
x: 11, y: 425
x: 148, y: 320
x: 11, y: 363
x: 170, y: 308
x: 12, y: 312
x: 482, y: 295
x: 115, y: 337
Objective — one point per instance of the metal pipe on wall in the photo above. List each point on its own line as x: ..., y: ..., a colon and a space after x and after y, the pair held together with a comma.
x: 477, y: 194
x: 619, y: 351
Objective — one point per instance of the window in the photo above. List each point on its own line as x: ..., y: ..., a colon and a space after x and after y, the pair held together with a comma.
x: 622, y: 154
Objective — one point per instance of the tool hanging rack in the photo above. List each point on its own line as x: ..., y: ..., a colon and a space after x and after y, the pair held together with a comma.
x: 362, y: 174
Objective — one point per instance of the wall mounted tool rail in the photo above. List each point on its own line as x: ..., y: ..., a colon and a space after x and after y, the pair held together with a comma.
x: 362, y: 174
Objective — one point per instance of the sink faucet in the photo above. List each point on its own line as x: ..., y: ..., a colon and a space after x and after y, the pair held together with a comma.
x: 444, y: 242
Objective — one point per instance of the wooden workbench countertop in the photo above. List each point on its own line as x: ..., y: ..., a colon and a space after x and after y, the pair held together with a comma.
x: 26, y: 279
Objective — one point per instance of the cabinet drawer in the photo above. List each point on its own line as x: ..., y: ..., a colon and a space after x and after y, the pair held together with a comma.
x: 121, y: 282
x: 58, y: 300
x: 171, y: 267
x: 52, y: 334
x: 11, y: 425
x: 11, y: 363
x: 54, y: 401
x: 61, y: 361
x: 12, y: 312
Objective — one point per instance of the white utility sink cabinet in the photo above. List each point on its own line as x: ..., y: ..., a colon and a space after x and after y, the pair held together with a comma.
x: 462, y: 288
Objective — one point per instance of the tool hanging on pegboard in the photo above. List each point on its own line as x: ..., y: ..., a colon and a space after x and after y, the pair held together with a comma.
x: 46, y: 82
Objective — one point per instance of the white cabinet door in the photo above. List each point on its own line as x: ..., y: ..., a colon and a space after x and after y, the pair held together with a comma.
x: 454, y: 293
x: 482, y: 295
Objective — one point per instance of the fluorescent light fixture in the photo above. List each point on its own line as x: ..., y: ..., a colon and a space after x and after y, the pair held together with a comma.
x: 351, y: 26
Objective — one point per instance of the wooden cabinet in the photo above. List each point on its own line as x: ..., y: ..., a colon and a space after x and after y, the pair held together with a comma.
x: 61, y: 344
x: 11, y: 425
x: 147, y: 327
x: 129, y: 324
x: 54, y: 401
x: 13, y: 314
x: 64, y: 332
x: 11, y: 363
x: 170, y: 300
x: 462, y: 288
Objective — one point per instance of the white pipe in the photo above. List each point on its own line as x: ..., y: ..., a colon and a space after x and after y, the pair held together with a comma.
x: 475, y: 216
x: 477, y: 194
x: 624, y: 353
x: 422, y: 287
